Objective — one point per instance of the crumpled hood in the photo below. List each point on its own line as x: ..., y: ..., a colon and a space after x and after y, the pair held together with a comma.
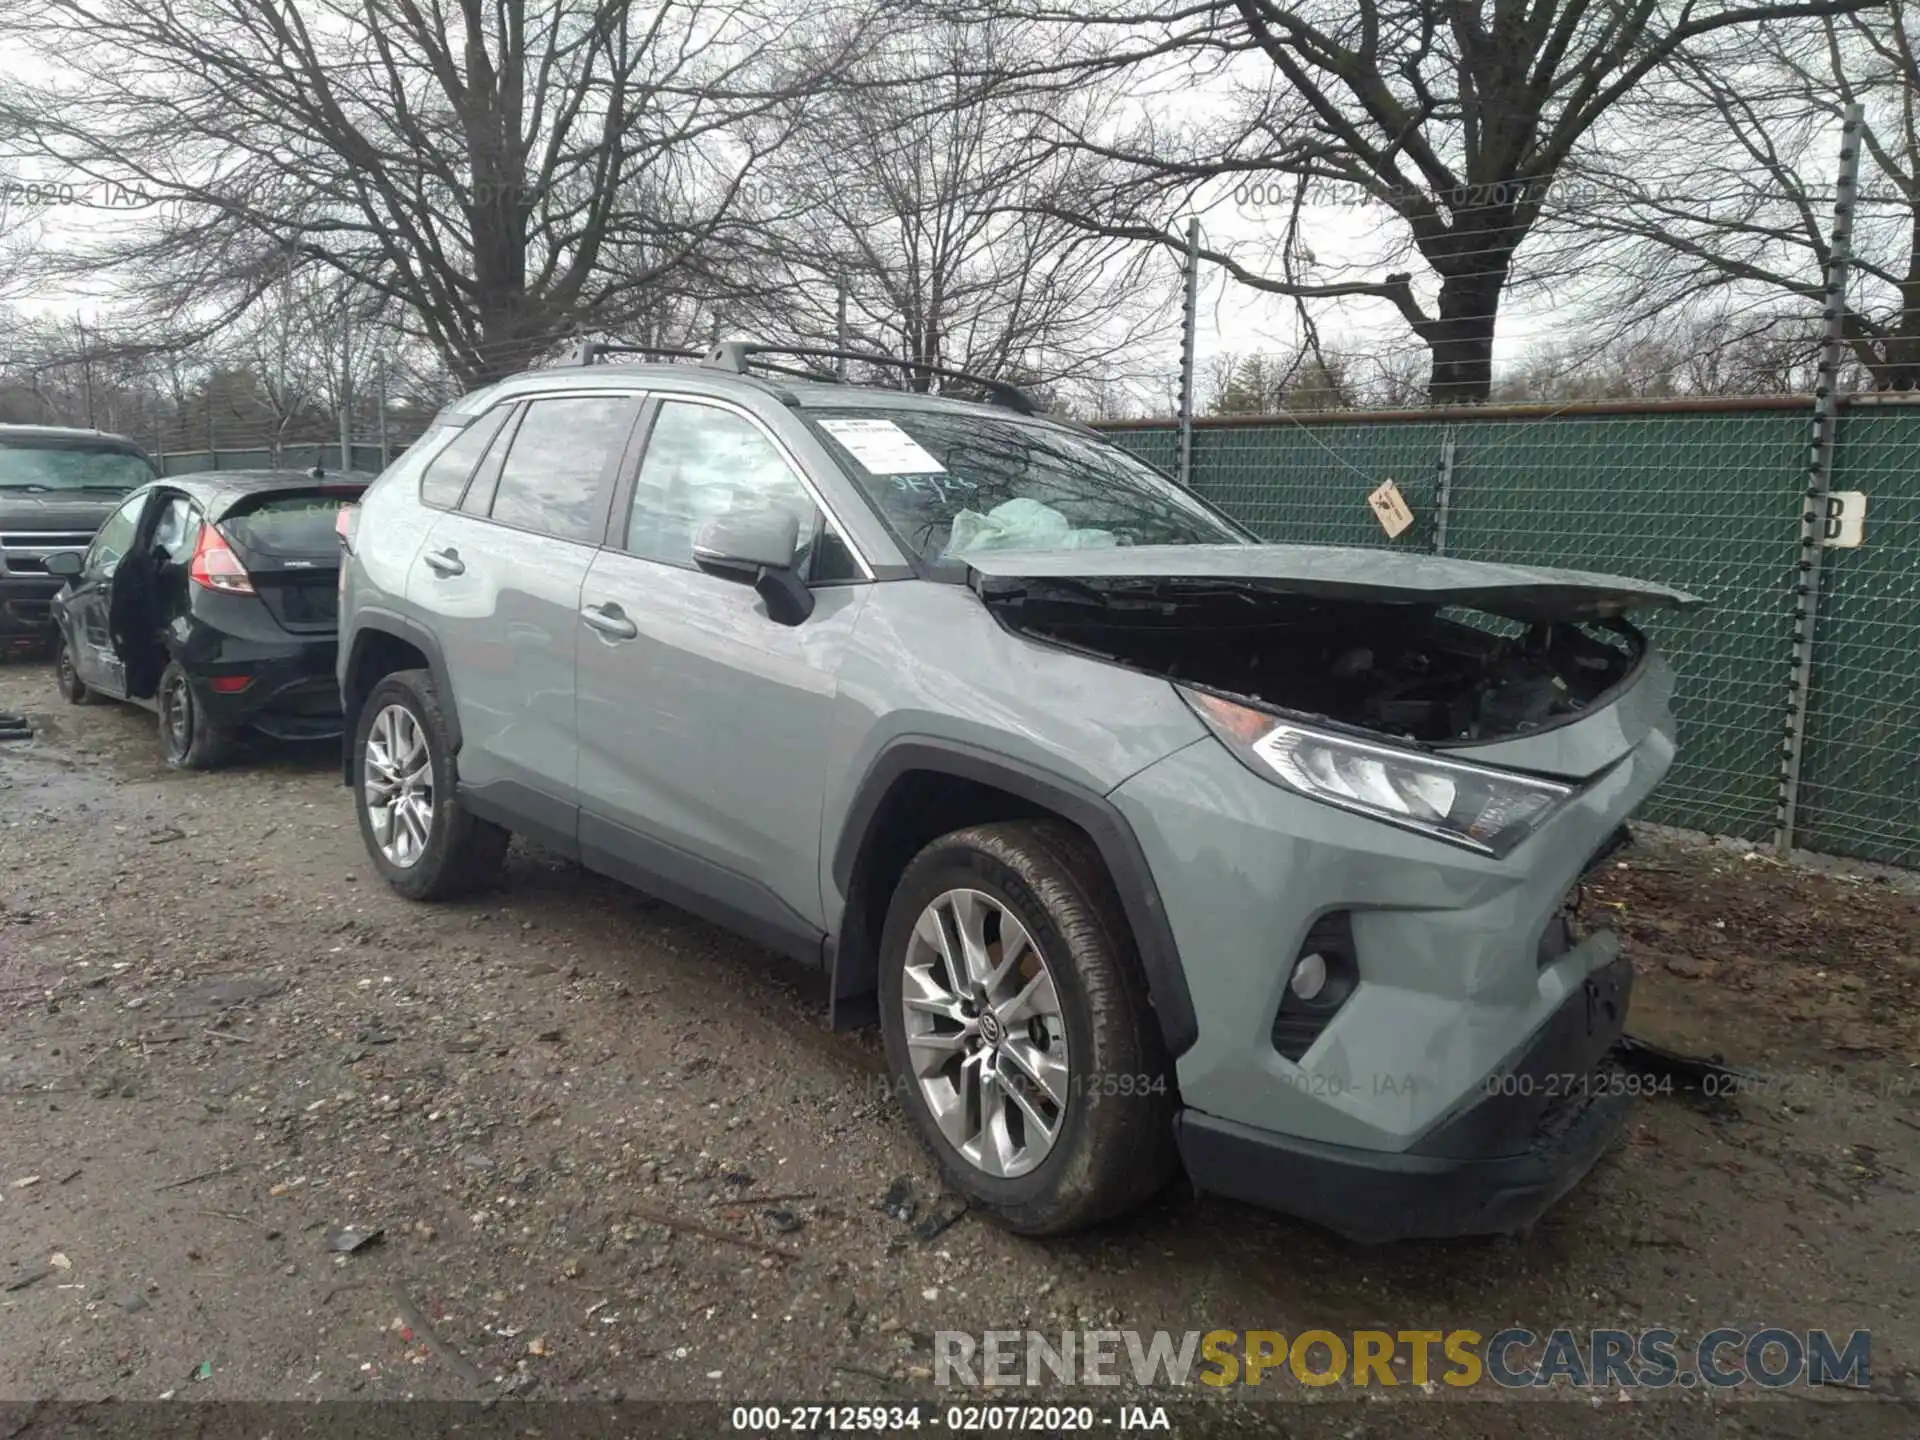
x: 1337, y: 572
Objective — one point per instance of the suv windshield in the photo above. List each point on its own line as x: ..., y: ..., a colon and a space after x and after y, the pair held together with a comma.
x: 46, y: 465
x: 950, y: 483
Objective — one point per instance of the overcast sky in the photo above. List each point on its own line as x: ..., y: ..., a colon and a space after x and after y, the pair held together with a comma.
x: 1233, y: 318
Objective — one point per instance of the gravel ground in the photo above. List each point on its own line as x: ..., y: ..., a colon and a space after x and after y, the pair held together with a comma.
x: 612, y: 1151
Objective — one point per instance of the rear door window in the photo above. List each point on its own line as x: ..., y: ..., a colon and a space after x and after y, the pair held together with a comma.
x: 559, y: 471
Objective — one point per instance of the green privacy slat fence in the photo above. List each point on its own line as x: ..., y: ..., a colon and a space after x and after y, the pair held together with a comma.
x: 1707, y: 501
x: 302, y: 456
x: 1860, y: 773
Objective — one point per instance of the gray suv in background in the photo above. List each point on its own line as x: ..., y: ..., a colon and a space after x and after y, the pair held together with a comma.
x: 1144, y: 843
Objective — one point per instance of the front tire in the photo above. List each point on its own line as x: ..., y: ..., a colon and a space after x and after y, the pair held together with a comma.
x: 73, y: 689
x: 424, y: 842
x: 1018, y: 1028
x: 188, y: 740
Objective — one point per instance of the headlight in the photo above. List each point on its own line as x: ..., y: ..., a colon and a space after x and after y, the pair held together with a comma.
x: 1486, y: 810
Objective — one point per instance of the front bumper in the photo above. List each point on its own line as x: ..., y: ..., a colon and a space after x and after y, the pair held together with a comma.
x: 1452, y: 973
x: 1455, y: 964
x: 1539, y: 1126
x: 26, y: 609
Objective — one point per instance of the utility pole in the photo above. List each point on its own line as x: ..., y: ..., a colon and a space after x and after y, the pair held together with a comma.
x: 346, y: 387
x: 1443, y: 493
x: 380, y: 415
x: 86, y: 367
x: 1189, y: 320
x: 840, y: 331
x: 1813, y: 509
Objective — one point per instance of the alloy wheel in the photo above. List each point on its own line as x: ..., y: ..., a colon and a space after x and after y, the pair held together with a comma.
x: 176, y: 709
x: 399, y: 785
x: 985, y: 1037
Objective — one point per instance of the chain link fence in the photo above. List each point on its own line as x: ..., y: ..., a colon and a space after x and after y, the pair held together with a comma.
x: 1860, y: 775
x: 1705, y: 496
x: 368, y: 456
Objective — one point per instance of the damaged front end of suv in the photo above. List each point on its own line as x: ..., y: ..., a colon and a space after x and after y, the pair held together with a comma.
x: 1411, y: 762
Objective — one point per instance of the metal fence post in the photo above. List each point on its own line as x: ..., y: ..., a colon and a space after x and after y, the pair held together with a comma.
x: 346, y: 391
x: 840, y: 326
x: 1826, y: 410
x: 1443, y: 493
x: 1189, y: 322
x: 380, y: 396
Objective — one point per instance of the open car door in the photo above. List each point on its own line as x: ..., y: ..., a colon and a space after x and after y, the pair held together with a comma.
x: 133, y: 618
x: 86, y: 601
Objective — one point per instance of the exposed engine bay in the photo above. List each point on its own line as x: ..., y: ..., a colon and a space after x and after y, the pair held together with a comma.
x: 1413, y: 671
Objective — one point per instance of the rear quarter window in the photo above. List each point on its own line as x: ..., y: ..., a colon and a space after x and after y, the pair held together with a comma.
x: 288, y: 524
x: 445, y: 477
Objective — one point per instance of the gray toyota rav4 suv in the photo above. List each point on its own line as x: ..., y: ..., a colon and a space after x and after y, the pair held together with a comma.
x: 1144, y: 843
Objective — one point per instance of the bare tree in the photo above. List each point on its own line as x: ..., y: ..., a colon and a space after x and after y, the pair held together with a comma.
x: 1702, y: 354
x: 1449, y: 120
x: 507, y: 172
x: 1737, y: 204
x: 290, y: 343
x: 1313, y: 378
x: 920, y: 210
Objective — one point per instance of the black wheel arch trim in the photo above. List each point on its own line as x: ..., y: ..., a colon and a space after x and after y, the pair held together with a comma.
x: 1091, y: 811
x: 373, y: 620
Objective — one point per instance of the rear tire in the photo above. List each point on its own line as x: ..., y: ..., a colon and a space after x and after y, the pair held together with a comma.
x: 73, y: 689
x: 188, y: 741
x: 1079, y: 1015
x: 422, y: 840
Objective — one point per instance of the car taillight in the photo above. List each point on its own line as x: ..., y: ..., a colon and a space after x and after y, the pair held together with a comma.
x: 344, y: 524
x: 216, y: 567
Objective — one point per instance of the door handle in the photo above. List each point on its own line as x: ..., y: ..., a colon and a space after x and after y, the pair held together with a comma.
x: 611, y: 621
x: 445, y: 562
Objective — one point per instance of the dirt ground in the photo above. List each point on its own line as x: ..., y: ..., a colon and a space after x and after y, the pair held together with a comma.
x: 612, y: 1151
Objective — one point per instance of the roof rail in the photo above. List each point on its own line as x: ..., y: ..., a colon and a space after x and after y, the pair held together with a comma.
x: 592, y: 352
x: 736, y: 355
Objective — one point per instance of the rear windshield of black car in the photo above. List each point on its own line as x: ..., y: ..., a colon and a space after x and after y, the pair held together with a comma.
x: 36, y: 465
x: 288, y: 524
x: 950, y: 482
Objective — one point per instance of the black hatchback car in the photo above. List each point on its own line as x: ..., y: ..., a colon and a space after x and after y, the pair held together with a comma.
x: 211, y: 600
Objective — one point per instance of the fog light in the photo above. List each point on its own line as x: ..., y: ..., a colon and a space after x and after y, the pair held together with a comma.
x: 1325, y: 972
x: 229, y: 684
x: 1310, y: 976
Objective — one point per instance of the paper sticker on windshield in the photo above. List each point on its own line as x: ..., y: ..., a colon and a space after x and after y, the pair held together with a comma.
x: 883, y: 447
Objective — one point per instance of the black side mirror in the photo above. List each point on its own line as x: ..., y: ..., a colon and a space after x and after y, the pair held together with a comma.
x: 759, y: 547
x: 64, y: 563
